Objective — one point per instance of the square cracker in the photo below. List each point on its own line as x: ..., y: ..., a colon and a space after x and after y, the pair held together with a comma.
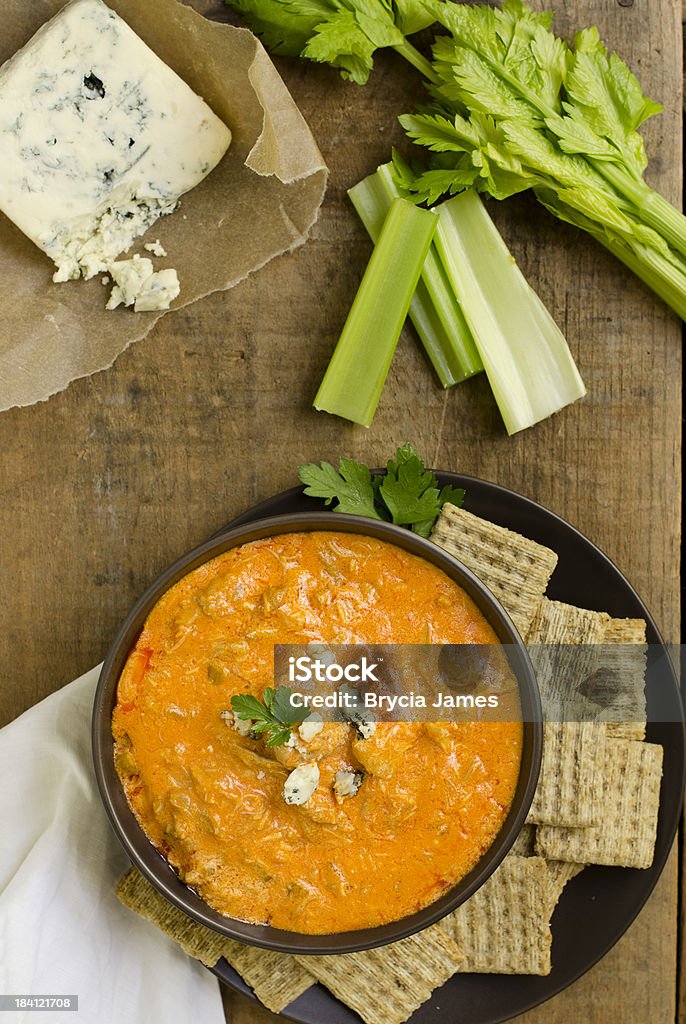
x: 504, y: 928
x: 630, y: 803
x: 276, y: 978
x: 559, y: 873
x: 590, y: 667
x: 563, y: 646
x: 523, y: 845
x: 558, y: 623
x: 386, y: 985
x: 515, y: 568
x: 569, y: 785
x: 628, y: 666
x: 625, y: 631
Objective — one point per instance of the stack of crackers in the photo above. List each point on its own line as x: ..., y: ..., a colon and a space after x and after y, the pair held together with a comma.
x: 596, y: 803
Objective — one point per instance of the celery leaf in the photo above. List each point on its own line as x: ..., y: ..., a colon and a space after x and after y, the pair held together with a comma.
x: 342, y: 33
x: 605, y: 96
x: 412, y: 16
x: 439, y: 133
x: 282, y: 27
x: 340, y: 41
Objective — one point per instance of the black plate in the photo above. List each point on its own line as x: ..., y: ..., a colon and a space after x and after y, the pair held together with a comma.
x: 598, y: 905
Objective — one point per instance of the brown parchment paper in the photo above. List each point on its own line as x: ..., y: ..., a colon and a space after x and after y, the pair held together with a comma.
x: 260, y: 201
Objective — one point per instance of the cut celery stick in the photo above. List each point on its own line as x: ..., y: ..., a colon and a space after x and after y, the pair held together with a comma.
x: 434, y: 310
x: 526, y: 357
x: 352, y: 384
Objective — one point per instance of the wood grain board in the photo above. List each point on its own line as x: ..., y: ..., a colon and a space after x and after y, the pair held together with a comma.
x: 105, y: 484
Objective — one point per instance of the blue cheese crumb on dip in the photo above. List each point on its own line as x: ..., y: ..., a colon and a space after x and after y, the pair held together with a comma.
x: 346, y: 783
x: 99, y: 139
x: 301, y: 783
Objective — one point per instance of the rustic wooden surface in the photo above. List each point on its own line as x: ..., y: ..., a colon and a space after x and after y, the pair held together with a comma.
x: 106, y: 483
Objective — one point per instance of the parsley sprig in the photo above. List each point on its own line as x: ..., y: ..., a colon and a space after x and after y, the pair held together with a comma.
x: 274, y: 715
x: 408, y: 494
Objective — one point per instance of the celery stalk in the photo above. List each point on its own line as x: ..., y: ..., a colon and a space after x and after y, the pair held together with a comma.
x: 664, y: 274
x: 434, y: 310
x: 415, y: 58
x: 527, y: 361
x: 352, y: 384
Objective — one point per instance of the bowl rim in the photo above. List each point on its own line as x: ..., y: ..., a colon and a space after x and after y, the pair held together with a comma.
x: 152, y: 864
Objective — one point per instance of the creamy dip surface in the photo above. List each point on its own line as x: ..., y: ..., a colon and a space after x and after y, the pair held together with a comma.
x: 396, y: 818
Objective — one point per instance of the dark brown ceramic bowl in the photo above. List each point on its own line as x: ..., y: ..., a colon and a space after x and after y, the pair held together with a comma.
x: 154, y: 866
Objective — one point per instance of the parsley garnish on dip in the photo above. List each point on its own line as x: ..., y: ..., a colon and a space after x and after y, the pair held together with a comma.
x: 274, y: 715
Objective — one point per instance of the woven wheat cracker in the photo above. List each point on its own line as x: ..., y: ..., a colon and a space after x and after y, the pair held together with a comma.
x: 386, y: 985
x: 628, y: 812
x: 628, y: 666
x: 569, y: 785
x: 515, y: 568
x: 505, y: 927
x: 559, y: 873
x: 276, y: 978
x: 523, y: 845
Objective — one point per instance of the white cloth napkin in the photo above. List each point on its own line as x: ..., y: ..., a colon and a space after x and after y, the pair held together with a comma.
x: 62, y: 929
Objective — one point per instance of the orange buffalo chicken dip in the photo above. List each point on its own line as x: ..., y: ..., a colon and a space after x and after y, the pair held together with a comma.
x: 345, y: 826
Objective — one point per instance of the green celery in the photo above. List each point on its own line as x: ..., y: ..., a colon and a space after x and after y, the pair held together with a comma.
x: 527, y: 360
x: 517, y: 107
x: 651, y: 207
x: 434, y: 310
x: 352, y: 384
x: 415, y: 58
x: 664, y: 274
x: 512, y: 107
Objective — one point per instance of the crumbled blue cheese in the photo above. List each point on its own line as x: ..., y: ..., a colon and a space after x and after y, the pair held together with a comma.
x: 99, y: 138
x: 311, y: 727
x: 346, y: 783
x: 156, y: 248
x: 242, y: 726
x: 356, y: 714
x: 301, y: 783
x: 293, y: 743
x: 323, y: 653
x: 365, y: 727
x: 129, y: 277
x: 158, y: 292
x: 138, y: 285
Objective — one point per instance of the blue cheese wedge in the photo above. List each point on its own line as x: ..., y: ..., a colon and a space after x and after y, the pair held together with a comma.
x: 301, y: 783
x: 99, y: 138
